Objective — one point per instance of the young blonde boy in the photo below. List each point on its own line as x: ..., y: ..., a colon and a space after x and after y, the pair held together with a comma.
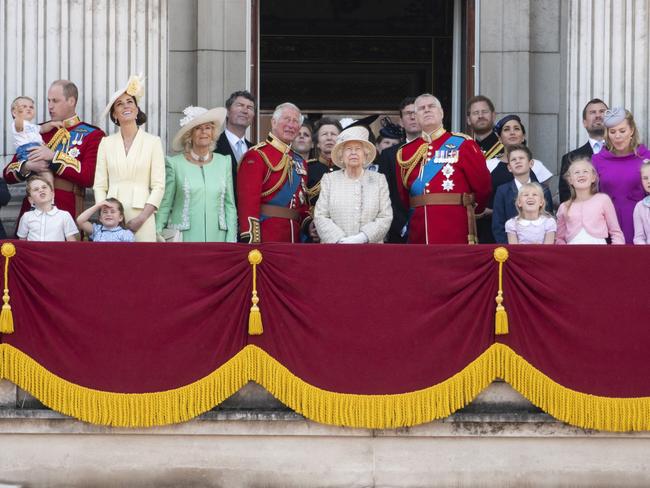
x: 45, y: 222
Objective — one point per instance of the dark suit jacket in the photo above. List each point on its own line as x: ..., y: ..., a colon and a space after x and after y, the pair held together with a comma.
x: 223, y: 147
x: 387, y: 166
x: 586, y: 150
x: 505, y: 208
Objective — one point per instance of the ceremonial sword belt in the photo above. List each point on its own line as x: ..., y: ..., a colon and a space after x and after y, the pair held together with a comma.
x: 78, y: 191
x: 280, y: 212
x: 467, y: 200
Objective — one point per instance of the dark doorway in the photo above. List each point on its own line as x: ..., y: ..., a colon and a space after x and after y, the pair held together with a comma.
x: 354, y: 56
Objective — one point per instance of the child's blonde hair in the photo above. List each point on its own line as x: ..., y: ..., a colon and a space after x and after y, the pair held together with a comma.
x: 538, y: 188
x: 32, y: 179
x: 594, y: 186
x: 14, y: 104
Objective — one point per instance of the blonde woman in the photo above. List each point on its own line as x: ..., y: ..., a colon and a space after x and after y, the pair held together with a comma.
x: 199, y: 198
x: 618, y: 166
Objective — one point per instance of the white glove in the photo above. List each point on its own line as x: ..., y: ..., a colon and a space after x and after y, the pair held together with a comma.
x: 359, y: 238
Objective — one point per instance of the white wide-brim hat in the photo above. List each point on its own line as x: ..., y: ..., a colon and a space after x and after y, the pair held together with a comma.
x: 195, y: 116
x: 133, y: 87
x: 357, y: 134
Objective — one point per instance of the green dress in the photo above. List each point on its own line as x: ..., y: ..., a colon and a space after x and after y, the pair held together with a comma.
x: 199, y: 200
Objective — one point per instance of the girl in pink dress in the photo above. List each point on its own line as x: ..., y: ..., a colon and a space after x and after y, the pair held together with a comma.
x: 533, y: 225
x: 588, y: 217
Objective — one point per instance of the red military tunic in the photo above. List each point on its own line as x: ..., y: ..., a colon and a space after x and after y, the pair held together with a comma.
x: 458, y: 166
x: 75, y: 156
x: 271, y: 193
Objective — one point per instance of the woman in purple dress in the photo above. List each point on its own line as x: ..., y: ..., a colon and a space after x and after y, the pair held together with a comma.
x: 618, y: 166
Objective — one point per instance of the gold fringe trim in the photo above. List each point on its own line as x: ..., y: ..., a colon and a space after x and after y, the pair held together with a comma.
x: 573, y: 407
x: 124, y: 409
x: 361, y: 411
x: 372, y: 411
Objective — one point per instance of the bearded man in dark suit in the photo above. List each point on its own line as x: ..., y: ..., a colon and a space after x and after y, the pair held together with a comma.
x: 592, y: 120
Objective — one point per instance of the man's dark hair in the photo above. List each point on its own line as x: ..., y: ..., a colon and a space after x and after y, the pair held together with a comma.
x: 404, y: 103
x: 240, y: 93
x: 593, y: 101
x: 479, y: 98
x: 69, y: 89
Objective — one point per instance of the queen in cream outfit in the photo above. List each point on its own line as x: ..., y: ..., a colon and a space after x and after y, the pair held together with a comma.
x: 354, y: 204
x: 131, y: 163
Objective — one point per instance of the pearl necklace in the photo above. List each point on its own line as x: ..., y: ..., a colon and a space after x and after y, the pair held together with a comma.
x: 200, y: 159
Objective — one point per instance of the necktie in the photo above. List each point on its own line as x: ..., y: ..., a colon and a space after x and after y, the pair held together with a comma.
x: 239, y: 150
x: 597, y: 147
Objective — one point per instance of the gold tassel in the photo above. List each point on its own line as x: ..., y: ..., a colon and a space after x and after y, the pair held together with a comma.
x: 6, y: 317
x: 255, y: 316
x: 501, y: 316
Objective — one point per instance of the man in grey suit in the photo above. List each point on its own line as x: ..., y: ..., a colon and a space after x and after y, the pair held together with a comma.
x: 232, y: 142
x: 592, y: 120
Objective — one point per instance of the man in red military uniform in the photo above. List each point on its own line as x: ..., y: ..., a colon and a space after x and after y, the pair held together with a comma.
x: 271, y: 184
x: 442, y: 180
x: 70, y: 152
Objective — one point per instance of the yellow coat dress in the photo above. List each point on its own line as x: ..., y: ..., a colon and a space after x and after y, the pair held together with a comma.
x: 134, y: 179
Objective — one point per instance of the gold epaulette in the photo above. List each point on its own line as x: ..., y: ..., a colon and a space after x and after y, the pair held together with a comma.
x: 407, y: 167
x: 494, y: 151
x: 313, y: 191
x: 274, y: 168
x: 464, y: 136
x: 416, y: 158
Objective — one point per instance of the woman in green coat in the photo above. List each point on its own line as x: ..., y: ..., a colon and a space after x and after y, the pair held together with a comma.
x: 199, y: 198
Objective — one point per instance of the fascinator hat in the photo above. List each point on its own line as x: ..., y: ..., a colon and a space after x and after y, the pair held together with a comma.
x: 195, y: 116
x: 614, y: 116
x: 133, y: 87
x: 358, y: 134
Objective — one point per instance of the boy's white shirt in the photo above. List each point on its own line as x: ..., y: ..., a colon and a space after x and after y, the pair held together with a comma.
x: 30, y: 133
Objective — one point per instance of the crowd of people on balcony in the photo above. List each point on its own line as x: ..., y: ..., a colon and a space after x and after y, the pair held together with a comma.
x: 335, y: 182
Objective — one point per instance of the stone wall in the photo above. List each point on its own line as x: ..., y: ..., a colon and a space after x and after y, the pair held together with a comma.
x: 253, y: 441
x: 208, y: 55
x: 520, y: 66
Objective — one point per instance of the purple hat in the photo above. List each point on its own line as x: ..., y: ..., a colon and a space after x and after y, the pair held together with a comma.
x: 614, y: 116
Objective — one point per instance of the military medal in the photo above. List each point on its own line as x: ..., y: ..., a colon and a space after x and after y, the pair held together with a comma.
x: 74, y: 152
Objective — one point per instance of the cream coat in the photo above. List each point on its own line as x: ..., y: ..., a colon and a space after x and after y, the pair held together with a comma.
x: 134, y: 179
x: 346, y: 207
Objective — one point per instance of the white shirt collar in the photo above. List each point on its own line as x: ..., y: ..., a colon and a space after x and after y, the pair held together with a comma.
x: 39, y: 212
x: 592, y: 143
x: 519, y: 185
x: 233, y: 139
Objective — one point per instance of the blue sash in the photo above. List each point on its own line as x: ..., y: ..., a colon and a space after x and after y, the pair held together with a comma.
x: 283, y: 196
x: 430, y: 168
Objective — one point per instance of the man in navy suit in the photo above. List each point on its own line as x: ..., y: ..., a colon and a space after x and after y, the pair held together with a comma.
x: 232, y: 142
x: 387, y: 162
x: 592, y: 120
x: 520, y: 163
